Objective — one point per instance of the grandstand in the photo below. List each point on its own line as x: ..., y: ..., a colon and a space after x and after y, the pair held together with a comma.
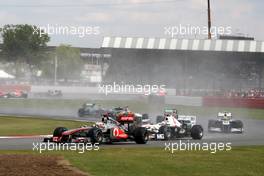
x: 186, y: 64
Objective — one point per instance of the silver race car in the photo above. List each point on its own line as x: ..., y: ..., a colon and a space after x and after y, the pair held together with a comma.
x: 172, y: 125
x: 225, y: 124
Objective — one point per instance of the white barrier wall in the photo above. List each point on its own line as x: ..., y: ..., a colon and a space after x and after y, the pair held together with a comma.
x: 79, y: 89
x: 65, y: 89
x: 93, y: 93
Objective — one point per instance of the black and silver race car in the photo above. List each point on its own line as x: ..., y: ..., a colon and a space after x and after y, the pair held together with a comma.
x: 91, y: 109
x: 123, y: 128
x: 225, y: 124
x: 54, y: 93
x: 17, y: 94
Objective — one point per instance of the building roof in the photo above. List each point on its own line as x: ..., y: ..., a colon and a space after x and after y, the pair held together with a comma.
x: 183, y: 44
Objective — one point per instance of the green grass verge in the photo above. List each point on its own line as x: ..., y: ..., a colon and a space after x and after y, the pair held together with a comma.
x: 155, y: 162
x: 33, y: 126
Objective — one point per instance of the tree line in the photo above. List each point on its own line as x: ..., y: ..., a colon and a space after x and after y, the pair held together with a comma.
x: 26, y: 49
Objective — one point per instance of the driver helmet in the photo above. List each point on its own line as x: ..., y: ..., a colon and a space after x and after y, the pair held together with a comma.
x: 225, y: 115
x: 175, y: 113
x: 166, y: 114
x: 105, y: 117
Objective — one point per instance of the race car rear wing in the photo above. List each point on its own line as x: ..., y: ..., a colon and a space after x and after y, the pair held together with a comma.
x: 191, y: 118
x: 222, y: 114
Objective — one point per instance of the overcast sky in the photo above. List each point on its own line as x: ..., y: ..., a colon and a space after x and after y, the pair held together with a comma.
x: 144, y: 18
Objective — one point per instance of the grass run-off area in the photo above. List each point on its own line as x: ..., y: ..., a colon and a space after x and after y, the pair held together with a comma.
x: 33, y: 126
x: 137, y: 106
x: 156, y: 161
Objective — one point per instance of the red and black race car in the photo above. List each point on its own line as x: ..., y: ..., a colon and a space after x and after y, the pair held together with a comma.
x: 17, y: 94
x: 13, y: 94
x: 109, y: 130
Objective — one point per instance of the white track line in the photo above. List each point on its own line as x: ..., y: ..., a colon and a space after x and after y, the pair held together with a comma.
x: 25, y: 137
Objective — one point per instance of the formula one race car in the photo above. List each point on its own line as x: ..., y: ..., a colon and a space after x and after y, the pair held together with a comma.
x: 114, y: 112
x: 225, y: 124
x: 107, y: 131
x: 17, y: 94
x: 174, y: 126
x: 91, y: 109
x: 54, y: 93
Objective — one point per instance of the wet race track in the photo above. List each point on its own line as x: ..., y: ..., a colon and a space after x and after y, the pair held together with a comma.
x: 253, y: 135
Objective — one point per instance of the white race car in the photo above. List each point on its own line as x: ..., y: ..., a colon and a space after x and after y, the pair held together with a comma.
x: 225, y: 124
x: 174, y: 126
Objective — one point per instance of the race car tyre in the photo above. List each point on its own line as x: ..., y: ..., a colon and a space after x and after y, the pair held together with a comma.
x: 185, y: 128
x: 173, y: 132
x: 96, y: 135
x: 159, y: 119
x: 166, y: 132
x: 24, y: 95
x: 197, y: 132
x: 58, y: 131
x: 8, y: 95
x: 238, y: 124
x: 47, y: 140
x: 80, y: 112
x: 141, y: 135
x: 145, y: 116
x: 211, y: 123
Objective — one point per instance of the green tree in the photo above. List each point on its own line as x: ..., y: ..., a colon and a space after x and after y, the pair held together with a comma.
x: 23, y: 44
x: 21, y: 41
x: 69, y: 63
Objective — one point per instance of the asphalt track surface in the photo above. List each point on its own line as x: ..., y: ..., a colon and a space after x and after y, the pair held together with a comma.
x: 66, y: 114
x: 253, y: 135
